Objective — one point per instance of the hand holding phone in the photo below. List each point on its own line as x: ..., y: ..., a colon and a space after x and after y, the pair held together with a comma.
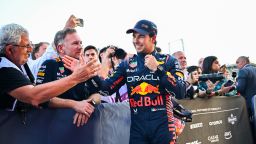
x: 80, y: 22
x: 228, y: 83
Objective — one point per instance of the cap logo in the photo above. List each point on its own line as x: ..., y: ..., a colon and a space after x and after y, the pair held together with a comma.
x: 144, y: 26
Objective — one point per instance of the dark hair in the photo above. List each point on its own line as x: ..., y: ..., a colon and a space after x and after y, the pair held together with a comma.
x: 207, y: 64
x: 102, y: 51
x: 120, y: 53
x: 36, y: 49
x: 60, y: 35
x: 158, y: 49
x: 191, y: 69
x: 90, y: 47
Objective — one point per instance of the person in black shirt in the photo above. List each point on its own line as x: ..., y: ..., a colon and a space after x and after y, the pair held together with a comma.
x: 67, y: 42
x: 16, y: 84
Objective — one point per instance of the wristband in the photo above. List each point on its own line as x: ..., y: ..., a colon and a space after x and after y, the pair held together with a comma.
x: 160, y: 70
x: 93, y: 103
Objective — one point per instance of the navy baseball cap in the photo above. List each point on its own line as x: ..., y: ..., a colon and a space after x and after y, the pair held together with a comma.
x: 144, y: 27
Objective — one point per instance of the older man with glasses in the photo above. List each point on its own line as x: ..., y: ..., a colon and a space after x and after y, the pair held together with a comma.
x: 16, y: 84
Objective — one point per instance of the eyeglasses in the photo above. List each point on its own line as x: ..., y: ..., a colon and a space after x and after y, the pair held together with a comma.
x: 30, y: 45
x: 23, y: 46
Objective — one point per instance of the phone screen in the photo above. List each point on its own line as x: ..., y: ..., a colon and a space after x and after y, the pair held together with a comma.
x: 228, y: 83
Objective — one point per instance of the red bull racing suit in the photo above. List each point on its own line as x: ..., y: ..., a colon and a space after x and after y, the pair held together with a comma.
x: 149, y: 93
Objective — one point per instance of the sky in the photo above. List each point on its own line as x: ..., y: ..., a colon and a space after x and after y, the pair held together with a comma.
x: 224, y: 28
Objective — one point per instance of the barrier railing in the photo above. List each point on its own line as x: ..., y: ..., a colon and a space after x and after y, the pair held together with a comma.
x: 216, y: 120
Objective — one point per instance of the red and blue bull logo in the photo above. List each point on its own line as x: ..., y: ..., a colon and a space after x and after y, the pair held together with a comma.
x: 145, y: 88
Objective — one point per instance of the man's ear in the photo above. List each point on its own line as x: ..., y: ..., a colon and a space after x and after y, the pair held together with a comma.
x: 9, y: 50
x: 60, y: 48
x: 153, y: 38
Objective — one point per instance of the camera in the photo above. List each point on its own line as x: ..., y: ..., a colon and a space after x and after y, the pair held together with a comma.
x: 234, y: 74
x: 118, y: 53
x: 211, y: 77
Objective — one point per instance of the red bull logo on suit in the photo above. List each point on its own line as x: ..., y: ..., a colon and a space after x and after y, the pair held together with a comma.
x: 145, y: 88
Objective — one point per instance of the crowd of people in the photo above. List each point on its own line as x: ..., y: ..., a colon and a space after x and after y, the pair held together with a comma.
x: 64, y: 74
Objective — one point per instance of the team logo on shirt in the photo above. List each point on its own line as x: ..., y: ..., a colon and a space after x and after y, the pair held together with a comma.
x: 61, y: 69
x: 180, y: 74
x: 160, y: 62
x: 171, y: 78
x: 41, y: 74
x: 132, y: 63
x: 145, y: 88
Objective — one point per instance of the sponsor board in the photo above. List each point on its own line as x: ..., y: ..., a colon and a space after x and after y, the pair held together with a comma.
x: 213, y: 138
x: 196, y: 125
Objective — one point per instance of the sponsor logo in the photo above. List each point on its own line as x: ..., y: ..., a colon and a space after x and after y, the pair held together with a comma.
x: 179, y: 74
x: 40, y: 74
x: 119, y: 80
x: 41, y: 70
x: 39, y: 81
x: 133, y: 64
x: 196, y: 125
x: 194, y: 142
x: 176, y: 65
x: 163, y: 58
x: 213, y: 123
x: 213, y: 138
x: 144, y: 26
x: 171, y: 78
x: 142, y: 78
x: 146, y: 101
x: 157, y: 109
x: 58, y: 59
x: 228, y: 135
x: 43, y: 66
x: 232, y: 119
x: 145, y: 88
x: 132, y: 70
x: 160, y: 62
x: 135, y: 110
x: 58, y: 78
x: 61, y: 69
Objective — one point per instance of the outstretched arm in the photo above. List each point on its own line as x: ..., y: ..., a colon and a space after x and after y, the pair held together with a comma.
x: 41, y: 93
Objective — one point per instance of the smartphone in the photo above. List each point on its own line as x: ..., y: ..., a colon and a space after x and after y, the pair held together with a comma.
x: 228, y: 83
x: 81, y: 22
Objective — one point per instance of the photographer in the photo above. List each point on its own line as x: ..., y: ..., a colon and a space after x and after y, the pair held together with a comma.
x: 110, y: 57
x: 212, y: 82
x: 192, y: 82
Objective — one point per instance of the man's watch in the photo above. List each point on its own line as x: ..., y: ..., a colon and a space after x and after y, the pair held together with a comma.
x: 159, y: 67
x: 93, y: 103
x: 160, y: 70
